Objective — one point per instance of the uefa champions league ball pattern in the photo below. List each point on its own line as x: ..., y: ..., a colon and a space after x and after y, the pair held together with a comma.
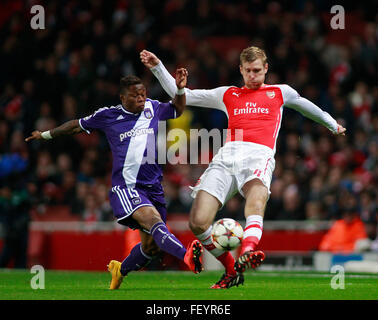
x: 227, y: 234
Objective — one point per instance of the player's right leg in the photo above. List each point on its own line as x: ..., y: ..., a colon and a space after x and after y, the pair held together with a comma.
x: 140, y: 256
x: 202, y: 214
x: 149, y: 219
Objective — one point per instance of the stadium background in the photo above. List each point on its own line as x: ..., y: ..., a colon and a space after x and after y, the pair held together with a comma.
x: 73, y: 67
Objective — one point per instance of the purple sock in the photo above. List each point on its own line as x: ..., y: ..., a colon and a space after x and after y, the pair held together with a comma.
x: 136, y: 260
x: 166, y: 241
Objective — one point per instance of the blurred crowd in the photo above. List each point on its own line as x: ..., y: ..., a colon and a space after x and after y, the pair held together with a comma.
x: 73, y: 67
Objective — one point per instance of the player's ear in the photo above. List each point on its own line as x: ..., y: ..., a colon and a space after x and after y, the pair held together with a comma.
x: 266, y: 67
x: 123, y: 93
x: 122, y: 97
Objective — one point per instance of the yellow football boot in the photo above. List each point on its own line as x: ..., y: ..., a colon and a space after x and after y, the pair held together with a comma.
x: 114, y: 267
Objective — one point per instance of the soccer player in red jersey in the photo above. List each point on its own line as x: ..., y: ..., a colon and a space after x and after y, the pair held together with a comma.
x: 246, y: 162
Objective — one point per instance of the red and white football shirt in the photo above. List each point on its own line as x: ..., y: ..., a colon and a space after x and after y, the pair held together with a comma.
x: 253, y: 115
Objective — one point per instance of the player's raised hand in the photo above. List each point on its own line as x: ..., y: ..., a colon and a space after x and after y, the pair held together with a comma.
x: 148, y: 59
x: 36, y: 135
x: 179, y: 100
x: 340, y: 130
x: 181, y: 78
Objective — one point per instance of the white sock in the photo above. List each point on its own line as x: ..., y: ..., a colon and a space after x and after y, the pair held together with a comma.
x: 207, y: 241
x: 253, y: 227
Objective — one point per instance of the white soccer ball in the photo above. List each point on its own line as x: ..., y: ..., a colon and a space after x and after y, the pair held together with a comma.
x: 227, y: 234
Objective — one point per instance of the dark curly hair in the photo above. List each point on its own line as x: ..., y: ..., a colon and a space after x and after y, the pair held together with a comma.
x: 128, y: 81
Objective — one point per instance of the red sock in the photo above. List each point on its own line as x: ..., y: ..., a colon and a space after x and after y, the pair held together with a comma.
x: 249, y: 244
x: 228, y: 262
x: 252, y: 233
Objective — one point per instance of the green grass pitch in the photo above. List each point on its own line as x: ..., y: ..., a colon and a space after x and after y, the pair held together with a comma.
x: 175, y: 285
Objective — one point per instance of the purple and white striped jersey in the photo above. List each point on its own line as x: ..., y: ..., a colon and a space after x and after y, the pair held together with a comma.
x: 132, y: 139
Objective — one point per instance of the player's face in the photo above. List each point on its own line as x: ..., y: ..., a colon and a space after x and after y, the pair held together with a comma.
x: 253, y: 73
x: 134, y: 98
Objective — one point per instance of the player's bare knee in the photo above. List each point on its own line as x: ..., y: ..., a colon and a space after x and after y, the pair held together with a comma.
x: 147, y: 217
x: 197, y: 226
x: 152, y: 219
x: 257, y: 197
x: 203, y: 211
x: 255, y: 205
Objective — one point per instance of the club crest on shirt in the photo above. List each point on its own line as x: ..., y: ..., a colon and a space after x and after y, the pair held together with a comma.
x: 270, y: 94
x: 136, y: 201
x: 147, y: 113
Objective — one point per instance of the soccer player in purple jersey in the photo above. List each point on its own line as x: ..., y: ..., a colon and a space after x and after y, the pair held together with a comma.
x: 137, y: 196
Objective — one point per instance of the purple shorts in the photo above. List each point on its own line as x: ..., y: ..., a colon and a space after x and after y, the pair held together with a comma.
x: 125, y: 201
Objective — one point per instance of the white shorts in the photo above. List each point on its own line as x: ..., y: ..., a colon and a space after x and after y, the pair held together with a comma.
x: 234, y: 165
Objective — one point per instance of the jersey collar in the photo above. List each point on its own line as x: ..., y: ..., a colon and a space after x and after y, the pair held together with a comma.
x: 128, y: 112
x: 262, y: 86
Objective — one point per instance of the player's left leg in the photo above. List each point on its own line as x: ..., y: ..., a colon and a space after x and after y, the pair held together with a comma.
x: 256, y: 195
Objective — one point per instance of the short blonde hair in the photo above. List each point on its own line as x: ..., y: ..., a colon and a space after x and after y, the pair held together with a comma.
x: 252, y: 53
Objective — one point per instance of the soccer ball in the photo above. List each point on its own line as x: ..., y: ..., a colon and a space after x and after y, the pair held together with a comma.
x: 227, y: 234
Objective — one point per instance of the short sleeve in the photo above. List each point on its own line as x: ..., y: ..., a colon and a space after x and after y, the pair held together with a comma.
x: 97, y: 120
x: 166, y: 111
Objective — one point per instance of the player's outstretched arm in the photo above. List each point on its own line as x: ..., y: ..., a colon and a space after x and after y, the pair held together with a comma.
x: 199, y: 97
x: 152, y: 62
x: 310, y: 110
x: 68, y: 128
x: 313, y: 112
